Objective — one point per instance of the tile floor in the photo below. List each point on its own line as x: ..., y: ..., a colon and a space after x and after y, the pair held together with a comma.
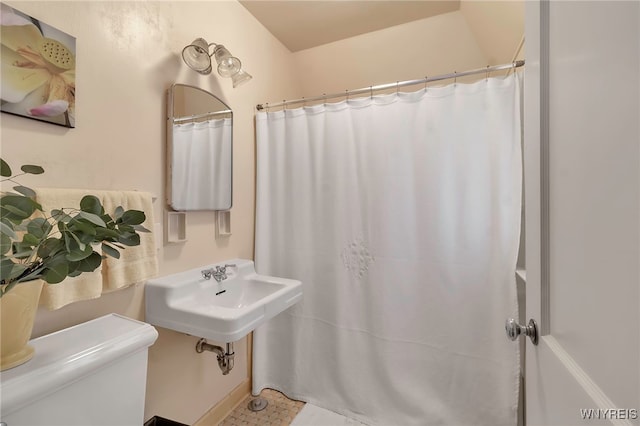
x: 310, y: 415
x: 280, y: 412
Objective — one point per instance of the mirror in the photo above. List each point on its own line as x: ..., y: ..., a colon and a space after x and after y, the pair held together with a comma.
x: 199, y: 150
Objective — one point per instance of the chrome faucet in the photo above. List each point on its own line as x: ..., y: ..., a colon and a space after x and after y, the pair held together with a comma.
x: 219, y: 274
x: 206, y: 273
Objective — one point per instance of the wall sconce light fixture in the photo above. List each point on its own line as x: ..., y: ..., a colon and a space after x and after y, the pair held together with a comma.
x: 197, y: 57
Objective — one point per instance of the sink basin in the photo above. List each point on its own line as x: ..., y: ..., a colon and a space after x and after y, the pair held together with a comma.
x: 225, y: 311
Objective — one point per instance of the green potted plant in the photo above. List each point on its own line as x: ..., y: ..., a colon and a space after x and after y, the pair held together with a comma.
x: 38, y: 246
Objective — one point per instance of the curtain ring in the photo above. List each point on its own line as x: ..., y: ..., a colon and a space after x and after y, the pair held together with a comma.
x: 371, y: 91
x: 304, y: 103
x: 324, y: 96
x: 487, y: 72
x: 284, y: 104
x: 346, y: 93
x: 455, y: 77
x: 266, y: 106
x: 426, y: 78
x: 397, y: 87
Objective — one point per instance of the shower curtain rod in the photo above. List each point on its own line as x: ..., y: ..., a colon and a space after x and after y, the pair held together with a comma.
x: 488, y: 69
x: 197, y: 116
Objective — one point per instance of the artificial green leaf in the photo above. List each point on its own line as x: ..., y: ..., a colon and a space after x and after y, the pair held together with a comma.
x: 39, y: 227
x: 108, y: 220
x: 74, y: 273
x: 60, y: 216
x: 95, y: 219
x: 21, y: 203
x: 84, y: 231
x: 19, y: 246
x: 30, y: 239
x: 49, y: 247
x: 82, y: 225
x: 125, y: 229
x: 79, y: 254
x: 85, y: 238
x: 90, y: 263
x: 19, y: 227
x: 140, y: 228
x: 104, y: 233
x: 91, y: 204
x: 5, y: 170
x: 106, y: 249
x: 130, y: 239
x: 116, y: 245
x: 33, y: 274
x: 76, y: 242
x: 133, y: 217
x: 10, y: 270
x: 9, y: 217
x: 56, y: 273
x: 73, y: 267
x: 56, y: 259
x: 27, y: 192
x: 5, y: 243
x: 7, y: 229
x: 16, y: 212
x: 118, y: 213
x: 67, y: 241
x: 17, y: 270
x: 22, y: 254
x: 6, y: 265
x: 31, y: 169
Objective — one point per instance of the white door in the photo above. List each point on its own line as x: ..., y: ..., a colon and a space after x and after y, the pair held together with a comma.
x: 582, y: 188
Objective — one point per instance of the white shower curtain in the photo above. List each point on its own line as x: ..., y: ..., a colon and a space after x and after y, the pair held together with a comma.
x: 401, y: 215
x: 201, y: 165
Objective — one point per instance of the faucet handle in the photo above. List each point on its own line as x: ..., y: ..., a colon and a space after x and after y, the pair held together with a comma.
x: 223, y: 269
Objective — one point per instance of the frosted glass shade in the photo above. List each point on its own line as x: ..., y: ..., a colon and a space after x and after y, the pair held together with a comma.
x: 196, y: 56
x: 227, y: 65
x: 240, y: 77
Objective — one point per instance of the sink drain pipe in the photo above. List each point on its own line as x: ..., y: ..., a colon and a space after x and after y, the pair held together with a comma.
x: 225, y: 362
x: 225, y: 357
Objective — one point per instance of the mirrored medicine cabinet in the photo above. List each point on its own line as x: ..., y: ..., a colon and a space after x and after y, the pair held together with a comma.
x: 199, y: 150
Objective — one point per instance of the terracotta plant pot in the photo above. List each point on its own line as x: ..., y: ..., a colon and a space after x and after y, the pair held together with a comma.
x: 17, y: 314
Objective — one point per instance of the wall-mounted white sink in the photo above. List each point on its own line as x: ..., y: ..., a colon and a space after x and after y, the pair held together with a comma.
x: 224, y: 311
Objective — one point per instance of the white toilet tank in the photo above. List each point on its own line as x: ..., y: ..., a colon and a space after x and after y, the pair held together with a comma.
x: 91, y: 374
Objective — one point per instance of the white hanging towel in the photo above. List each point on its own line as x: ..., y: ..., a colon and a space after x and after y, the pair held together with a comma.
x: 73, y: 289
x: 136, y: 264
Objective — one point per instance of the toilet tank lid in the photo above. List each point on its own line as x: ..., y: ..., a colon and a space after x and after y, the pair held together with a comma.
x: 67, y: 355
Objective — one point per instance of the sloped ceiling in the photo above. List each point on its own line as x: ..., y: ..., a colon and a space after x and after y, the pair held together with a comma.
x: 498, y: 26
x: 302, y: 25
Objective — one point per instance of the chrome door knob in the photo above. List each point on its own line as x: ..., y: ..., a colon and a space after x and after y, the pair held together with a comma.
x: 514, y: 330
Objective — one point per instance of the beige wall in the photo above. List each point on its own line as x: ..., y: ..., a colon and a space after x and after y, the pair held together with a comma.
x: 127, y: 56
x: 431, y: 46
x: 498, y: 27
